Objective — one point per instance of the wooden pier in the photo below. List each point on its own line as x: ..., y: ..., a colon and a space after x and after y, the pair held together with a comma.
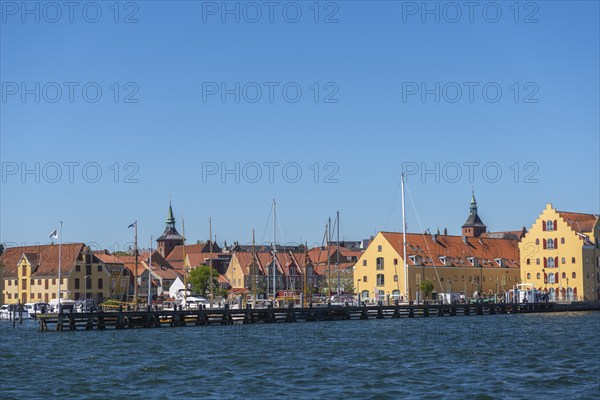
x: 123, y: 319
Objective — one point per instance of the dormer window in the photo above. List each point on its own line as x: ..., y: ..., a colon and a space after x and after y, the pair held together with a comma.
x: 501, y: 262
x: 473, y: 260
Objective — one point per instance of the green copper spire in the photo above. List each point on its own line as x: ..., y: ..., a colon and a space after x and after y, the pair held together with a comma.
x: 473, y: 203
x: 170, y: 217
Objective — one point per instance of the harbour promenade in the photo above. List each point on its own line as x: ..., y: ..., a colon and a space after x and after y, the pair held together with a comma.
x: 123, y: 319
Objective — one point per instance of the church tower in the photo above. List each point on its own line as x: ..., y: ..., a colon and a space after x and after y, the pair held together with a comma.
x: 170, y: 237
x: 473, y: 227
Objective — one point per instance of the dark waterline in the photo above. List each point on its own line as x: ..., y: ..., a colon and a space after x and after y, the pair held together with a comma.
x: 501, y: 356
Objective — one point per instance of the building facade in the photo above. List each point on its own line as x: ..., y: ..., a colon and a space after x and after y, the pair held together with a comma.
x: 560, y: 255
x: 31, y: 274
x: 476, y: 264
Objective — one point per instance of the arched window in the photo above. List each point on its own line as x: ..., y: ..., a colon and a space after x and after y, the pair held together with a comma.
x: 550, y: 244
x: 549, y: 225
x: 379, y: 264
x: 364, y: 294
x: 564, y: 275
x: 551, y: 277
x: 537, y: 242
x: 528, y: 261
x: 563, y: 261
x: 528, y: 275
x: 380, y: 280
x: 573, y: 260
x: 562, y: 240
x: 537, y: 261
x: 550, y: 262
x: 379, y: 248
x: 573, y: 275
x: 538, y: 276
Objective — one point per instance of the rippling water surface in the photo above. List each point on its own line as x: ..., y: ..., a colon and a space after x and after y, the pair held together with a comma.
x: 483, y: 357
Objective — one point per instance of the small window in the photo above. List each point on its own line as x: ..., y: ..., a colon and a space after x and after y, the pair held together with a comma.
x: 573, y: 260
x: 562, y: 240
x: 99, y: 268
x: 380, y: 263
x: 537, y: 242
x: 364, y: 263
x: 380, y: 280
x: 564, y: 275
x: 78, y: 268
x: 379, y: 248
x: 528, y: 275
x: 563, y: 261
x: 549, y: 226
x: 528, y: 261
x: 395, y: 261
x: 550, y: 244
x: 364, y: 278
x: 395, y: 278
x: 101, y: 283
x: 537, y: 261
x: 538, y: 276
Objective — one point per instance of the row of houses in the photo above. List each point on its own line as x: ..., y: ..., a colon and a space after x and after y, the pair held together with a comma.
x: 559, y: 254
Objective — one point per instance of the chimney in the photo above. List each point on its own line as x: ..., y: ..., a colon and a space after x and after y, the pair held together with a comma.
x: 445, y: 231
x: 464, y: 238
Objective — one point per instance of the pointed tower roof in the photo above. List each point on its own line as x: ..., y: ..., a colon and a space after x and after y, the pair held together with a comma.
x: 473, y: 220
x: 170, y: 232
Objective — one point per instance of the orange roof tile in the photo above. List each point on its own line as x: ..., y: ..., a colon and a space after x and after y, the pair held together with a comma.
x: 486, y: 250
x: 45, y: 256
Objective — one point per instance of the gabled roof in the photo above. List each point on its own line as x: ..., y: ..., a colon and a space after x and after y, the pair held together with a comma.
x: 203, y: 247
x: 579, y: 222
x: 45, y: 256
x: 459, y: 251
x: 107, y: 257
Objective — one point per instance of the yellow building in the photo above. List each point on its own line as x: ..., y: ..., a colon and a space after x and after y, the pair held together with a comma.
x: 560, y: 255
x: 454, y: 264
x: 478, y: 263
x: 31, y: 274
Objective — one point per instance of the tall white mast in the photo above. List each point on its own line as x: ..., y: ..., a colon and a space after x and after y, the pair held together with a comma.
x: 337, y: 260
x: 274, y: 251
x: 59, y: 262
x: 150, y: 276
x: 406, y: 291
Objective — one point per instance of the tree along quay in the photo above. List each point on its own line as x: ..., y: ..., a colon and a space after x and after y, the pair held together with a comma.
x: 181, y: 318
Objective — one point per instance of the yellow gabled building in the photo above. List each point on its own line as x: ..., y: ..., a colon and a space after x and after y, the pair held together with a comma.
x: 477, y: 263
x: 560, y: 255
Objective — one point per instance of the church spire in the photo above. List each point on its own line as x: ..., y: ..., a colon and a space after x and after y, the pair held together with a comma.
x: 170, y: 217
x: 473, y: 203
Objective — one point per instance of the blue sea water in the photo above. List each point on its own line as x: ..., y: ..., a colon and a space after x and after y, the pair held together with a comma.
x: 482, y: 357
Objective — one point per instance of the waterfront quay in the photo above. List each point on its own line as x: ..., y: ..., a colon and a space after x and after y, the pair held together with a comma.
x: 123, y: 319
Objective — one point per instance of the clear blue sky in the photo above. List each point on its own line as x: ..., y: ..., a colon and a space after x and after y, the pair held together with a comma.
x: 371, y: 57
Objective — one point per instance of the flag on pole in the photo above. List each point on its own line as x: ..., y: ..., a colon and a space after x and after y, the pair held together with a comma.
x: 132, y: 225
x: 54, y: 235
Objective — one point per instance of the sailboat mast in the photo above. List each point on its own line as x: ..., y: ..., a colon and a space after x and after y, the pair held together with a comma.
x: 253, y: 268
x: 185, y: 270
x: 406, y: 291
x: 150, y: 276
x: 210, y: 261
x: 337, y: 259
x: 274, y: 251
x: 328, y: 234
x: 135, y: 272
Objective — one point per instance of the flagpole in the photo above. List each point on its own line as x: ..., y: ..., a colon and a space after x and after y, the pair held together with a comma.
x: 59, y: 262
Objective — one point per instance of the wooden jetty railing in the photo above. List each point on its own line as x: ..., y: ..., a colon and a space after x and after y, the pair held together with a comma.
x: 123, y: 319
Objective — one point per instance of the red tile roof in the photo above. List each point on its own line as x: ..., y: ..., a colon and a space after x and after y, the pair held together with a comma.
x: 486, y: 250
x: 45, y: 256
x: 579, y: 222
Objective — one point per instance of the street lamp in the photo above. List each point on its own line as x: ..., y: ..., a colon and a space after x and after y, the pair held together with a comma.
x: 358, y: 294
